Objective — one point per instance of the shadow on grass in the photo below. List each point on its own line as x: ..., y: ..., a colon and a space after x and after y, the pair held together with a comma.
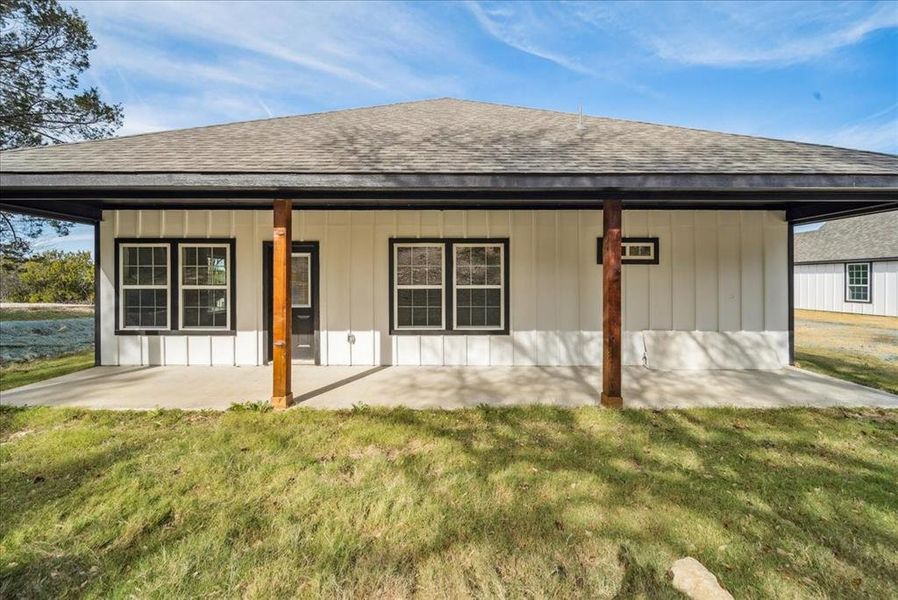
x: 742, y: 476
x: 865, y: 370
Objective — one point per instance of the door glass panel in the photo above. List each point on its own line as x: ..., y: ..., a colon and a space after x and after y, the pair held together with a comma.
x: 301, y: 280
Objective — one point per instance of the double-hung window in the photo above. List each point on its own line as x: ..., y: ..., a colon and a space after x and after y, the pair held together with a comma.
x: 857, y: 282
x: 144, y: 294
x: 205, y: 286
x: 478, y: 286
x: 419, y: 283
x: 171, y: 286
x: 449, y: 286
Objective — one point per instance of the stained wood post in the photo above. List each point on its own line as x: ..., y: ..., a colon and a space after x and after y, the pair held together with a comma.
x: 282, y: 394
x: 611, y: 309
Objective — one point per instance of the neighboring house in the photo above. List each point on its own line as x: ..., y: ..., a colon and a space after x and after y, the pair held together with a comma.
x: 445, y: 232
x: 849, y: 265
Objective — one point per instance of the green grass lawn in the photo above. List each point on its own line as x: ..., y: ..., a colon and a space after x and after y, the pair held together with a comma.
x: 521, y: 502
x: 857, y: 368
x: 42, y: 314
x: 22, y: 373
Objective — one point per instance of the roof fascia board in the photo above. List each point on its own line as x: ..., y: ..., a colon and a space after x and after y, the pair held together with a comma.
x: 835, y: 261
x: 187, y: 182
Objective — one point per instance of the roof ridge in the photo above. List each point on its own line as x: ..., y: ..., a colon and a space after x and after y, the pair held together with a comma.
x: 468, y: 101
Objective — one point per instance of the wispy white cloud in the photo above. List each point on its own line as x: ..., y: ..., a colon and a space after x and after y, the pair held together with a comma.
x: 720, y: 34
x: 523, y: 27
x: 877, y: 131
x: 734, y: 34
x: 881, y: 137
x: 211, y: 62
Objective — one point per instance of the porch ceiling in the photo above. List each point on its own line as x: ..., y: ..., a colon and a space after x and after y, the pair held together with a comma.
x: 144, y: 388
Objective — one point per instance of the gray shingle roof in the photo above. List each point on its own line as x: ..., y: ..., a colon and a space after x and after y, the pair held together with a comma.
x: 870, y: 236
x: 445, y: 136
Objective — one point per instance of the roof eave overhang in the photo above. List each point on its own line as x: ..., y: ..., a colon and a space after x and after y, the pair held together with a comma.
x: 308, y: 183
x: 805, y: 197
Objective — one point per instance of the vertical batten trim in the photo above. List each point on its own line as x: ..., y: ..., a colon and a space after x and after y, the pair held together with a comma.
x: 260, y: 335
x: 349, y: 288
x: 534, y: 290
x: 375, y: 337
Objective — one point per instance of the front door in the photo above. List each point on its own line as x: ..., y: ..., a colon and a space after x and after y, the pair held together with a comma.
x: 303, y: 300
x: 302, y: 309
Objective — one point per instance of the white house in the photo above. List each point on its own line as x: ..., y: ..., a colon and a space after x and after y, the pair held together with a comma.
x: 445, y: 232
x: 849, y: 265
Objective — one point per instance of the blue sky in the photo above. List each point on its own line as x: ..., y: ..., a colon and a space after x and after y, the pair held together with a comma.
x: 818, y: 72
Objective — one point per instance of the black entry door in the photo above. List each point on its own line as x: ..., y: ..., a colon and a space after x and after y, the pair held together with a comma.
x: 303, y: 311
x: 303, y: 300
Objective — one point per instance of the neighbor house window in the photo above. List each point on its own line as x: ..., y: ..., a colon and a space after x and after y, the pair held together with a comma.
x: 419, y: 283
x: 205, y: 286
x: 144, y: 286
x: 478, y: 286
x: 857, y: 280
x: 449, y: 286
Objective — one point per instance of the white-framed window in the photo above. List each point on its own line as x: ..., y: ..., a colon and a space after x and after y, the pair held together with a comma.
x: 419, y: 281
x: 144, y: 286
x: 638, y: 250
x: 205, y: 285
x: 478, y: 286
x: 301, y: 279
x: 857, y: 282
x: 634, y: 251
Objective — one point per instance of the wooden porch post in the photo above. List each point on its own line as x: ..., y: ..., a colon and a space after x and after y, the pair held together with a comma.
x: 282, y: 394
x: 611, y: 310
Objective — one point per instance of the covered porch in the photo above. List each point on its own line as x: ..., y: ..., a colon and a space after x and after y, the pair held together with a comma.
x: 333, y: 387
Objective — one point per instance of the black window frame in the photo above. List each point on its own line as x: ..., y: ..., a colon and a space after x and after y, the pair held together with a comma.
x: 654, y: 241
x: 174, y: 288
x: 449, y: 285
x: 869, y: 299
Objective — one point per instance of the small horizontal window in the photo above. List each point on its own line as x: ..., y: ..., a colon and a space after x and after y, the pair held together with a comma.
x: 634, y: 251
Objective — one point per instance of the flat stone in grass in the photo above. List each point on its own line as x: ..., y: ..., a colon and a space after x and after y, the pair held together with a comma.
x: 693, y: 579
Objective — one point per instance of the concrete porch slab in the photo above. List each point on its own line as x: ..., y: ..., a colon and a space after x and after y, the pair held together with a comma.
x: 216, y: 388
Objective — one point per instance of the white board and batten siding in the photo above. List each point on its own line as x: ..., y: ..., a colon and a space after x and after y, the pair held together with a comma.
x: 822, y: 287
x: 718, y: 298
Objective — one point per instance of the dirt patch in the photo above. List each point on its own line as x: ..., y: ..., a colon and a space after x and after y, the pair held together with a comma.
x: 863, y: 335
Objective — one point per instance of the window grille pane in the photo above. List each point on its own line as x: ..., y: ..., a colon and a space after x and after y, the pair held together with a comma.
x: 419, y: 307
x: 145, y: 308
x: 403, y: 256
x: 145, y: 256
x: 478, y: 307
x: 205, y: 308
